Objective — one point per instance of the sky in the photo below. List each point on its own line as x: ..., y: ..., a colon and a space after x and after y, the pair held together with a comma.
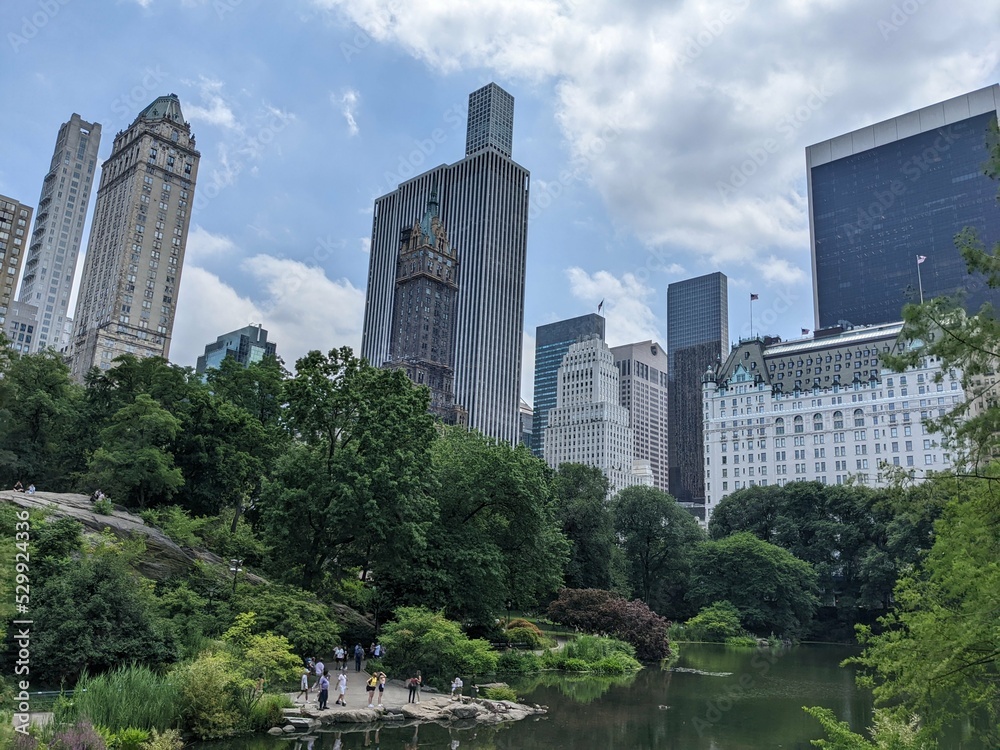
x: 665, y: 139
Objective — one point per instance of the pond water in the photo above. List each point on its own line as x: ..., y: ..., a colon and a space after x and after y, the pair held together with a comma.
x: 713, y: 698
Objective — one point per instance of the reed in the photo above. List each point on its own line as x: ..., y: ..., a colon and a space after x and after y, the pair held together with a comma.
x: 129, y: 696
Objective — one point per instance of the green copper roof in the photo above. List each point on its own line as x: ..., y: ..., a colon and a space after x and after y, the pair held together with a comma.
x: 163, y: 108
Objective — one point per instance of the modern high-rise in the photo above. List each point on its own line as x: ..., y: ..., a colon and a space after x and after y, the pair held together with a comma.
x: 132, y: 271
x: 644, y: 392
x: 484, y: 205
x: 19, y: 326
x: 887, y: 194
x: 55, y: 242
x: 552, y: 341
x: 588, y: 426
x: 246, y: 345
x: 15, y: 222
x: 822, y: 409
x: 422, y: 341
x: 697, y: 336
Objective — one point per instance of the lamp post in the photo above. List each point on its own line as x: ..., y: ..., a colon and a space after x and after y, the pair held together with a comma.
x: 235, y: 569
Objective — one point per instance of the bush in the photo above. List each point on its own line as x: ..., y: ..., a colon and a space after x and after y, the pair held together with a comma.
x: 518, y: 662
x: 127, y: 739
x: 500, y: 693
x: 519, y: 623
x: 716, y: 622
x: 79, y: 736
x: 532, y: 639
x: 571, y: 664
x: 103, y: 507
x: 128, y: 697
x: 296, y: 614
x: 423, y: 640
x: 206, y: 688
x: 269, y: 712
x: 741, y: 641
x: 177, y: 524
x: 597, y: 611
x: 168, y: 740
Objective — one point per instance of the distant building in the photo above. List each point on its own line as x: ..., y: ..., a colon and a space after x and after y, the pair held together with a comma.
x: 884, y: 195
x: 644, y: 392
x: 132, y: 270
x: 485, y: 207
x: 821, y: 409
x: 15, y: 222
x: 552, y: 341
x: 55, y: 242
x: 588, y: 425
x: 422, y: 342
x: 527, y: 418
x: 246, y: 345
x: 20, y: 326
x: 697, y: 336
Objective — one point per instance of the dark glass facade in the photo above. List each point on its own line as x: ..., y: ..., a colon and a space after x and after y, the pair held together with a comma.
x: 875, y: 211
x: 552, y: 341
x: 697, y: 336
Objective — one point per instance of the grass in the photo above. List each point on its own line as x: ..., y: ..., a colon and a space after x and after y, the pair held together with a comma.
x: 128, y: 696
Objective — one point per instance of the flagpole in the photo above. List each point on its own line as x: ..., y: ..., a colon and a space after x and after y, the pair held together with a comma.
x: 751, y: 316
x: 920, y: 283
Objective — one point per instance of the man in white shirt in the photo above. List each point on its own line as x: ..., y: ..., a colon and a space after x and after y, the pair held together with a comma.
x: 342, y: 688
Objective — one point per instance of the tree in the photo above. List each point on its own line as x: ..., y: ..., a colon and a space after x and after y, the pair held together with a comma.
x: 600, y: 611
x: 581, y: 508
x: 132, y: 462
x: 352, y: 490
x: 495, y: 543
x: 773, y: 590
x: 716, y: 622
x: 658, y: 537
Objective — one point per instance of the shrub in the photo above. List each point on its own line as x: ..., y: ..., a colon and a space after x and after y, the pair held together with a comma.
x: 128, y: 697
x: 518, y: 623
x: 598, y: 611
x: 268, y: 712
x: 741, y: 641
x: 532, y: 639
x: 128, y: 739
x: 716, y: 622
x: 103, y: 507
x: 206, y: 688
x: 571, y: 664
x: 500, y: 693
x: 177, y: 524
x: 294, y: 613
x: 168, y: 740
x: 518, y: 662
x: 616, y: 664
x: 425, y: 640
x: 79, y: 736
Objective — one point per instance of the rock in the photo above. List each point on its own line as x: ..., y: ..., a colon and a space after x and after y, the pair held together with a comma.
x: 464, y: 711
x: 288, y: 729
x: 275, y: 730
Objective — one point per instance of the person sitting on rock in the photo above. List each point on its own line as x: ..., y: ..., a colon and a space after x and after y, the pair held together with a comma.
x: 18, y: 487
x: 31, y: 489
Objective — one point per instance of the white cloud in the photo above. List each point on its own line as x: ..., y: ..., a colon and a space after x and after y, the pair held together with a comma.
x: 691, y: 119
x: 626, y: 306
x: 202, y: 245
x: 214, y: 110
x: 299, y: 306
x: 348, y: 103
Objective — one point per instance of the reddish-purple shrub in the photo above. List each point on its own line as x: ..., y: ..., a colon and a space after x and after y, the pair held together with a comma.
x: 603, y: 612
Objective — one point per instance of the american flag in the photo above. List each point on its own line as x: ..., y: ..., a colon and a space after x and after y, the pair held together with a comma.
x: 921, y: 259
x: 753, y: 296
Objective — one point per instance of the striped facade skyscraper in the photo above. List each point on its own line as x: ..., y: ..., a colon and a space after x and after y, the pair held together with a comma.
x: 484, y: 205
x: 132, y: 271
x: 55, y: 242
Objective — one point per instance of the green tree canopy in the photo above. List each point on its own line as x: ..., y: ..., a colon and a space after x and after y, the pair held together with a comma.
x: 658, y: 538
x: 582, y: 510
x: 773, y: 590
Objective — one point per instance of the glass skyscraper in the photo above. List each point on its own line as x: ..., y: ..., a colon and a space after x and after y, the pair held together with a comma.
x: 552, y: 341
x: 697, y: 336
x: 883, y: 195
x: 484, y: 205
x: 246, y: 345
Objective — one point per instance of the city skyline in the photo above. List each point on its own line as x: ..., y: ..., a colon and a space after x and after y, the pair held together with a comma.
x: 663, y: 144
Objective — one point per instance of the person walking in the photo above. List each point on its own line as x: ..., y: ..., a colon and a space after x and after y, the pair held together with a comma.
x: 324, y: 690
x: 413, y: 684
x: 342, y: 688
x: 304, y: 685
x: 320, y: 668
x: 359, y: 654
x: 339, y: 653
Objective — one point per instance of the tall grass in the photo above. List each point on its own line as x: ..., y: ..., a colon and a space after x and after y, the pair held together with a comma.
x: 128, y: 696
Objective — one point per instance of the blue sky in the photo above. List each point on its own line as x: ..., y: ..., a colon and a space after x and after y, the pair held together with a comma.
x: 635, y: 119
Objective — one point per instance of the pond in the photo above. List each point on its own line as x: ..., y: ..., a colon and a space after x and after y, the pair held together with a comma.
x: 713, y: 698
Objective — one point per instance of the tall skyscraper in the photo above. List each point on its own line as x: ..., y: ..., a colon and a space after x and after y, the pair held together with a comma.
x: 55, y: 242
x: 552, y: 341
x: 485, y: 208
x: 422, y: 341
x: 886, y: 194
x: 644, y: 392
x: 697, y: 336
x: 132, y: 271
x: 246, y: 345
x: 15, y: 220
x: 588, y: 425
